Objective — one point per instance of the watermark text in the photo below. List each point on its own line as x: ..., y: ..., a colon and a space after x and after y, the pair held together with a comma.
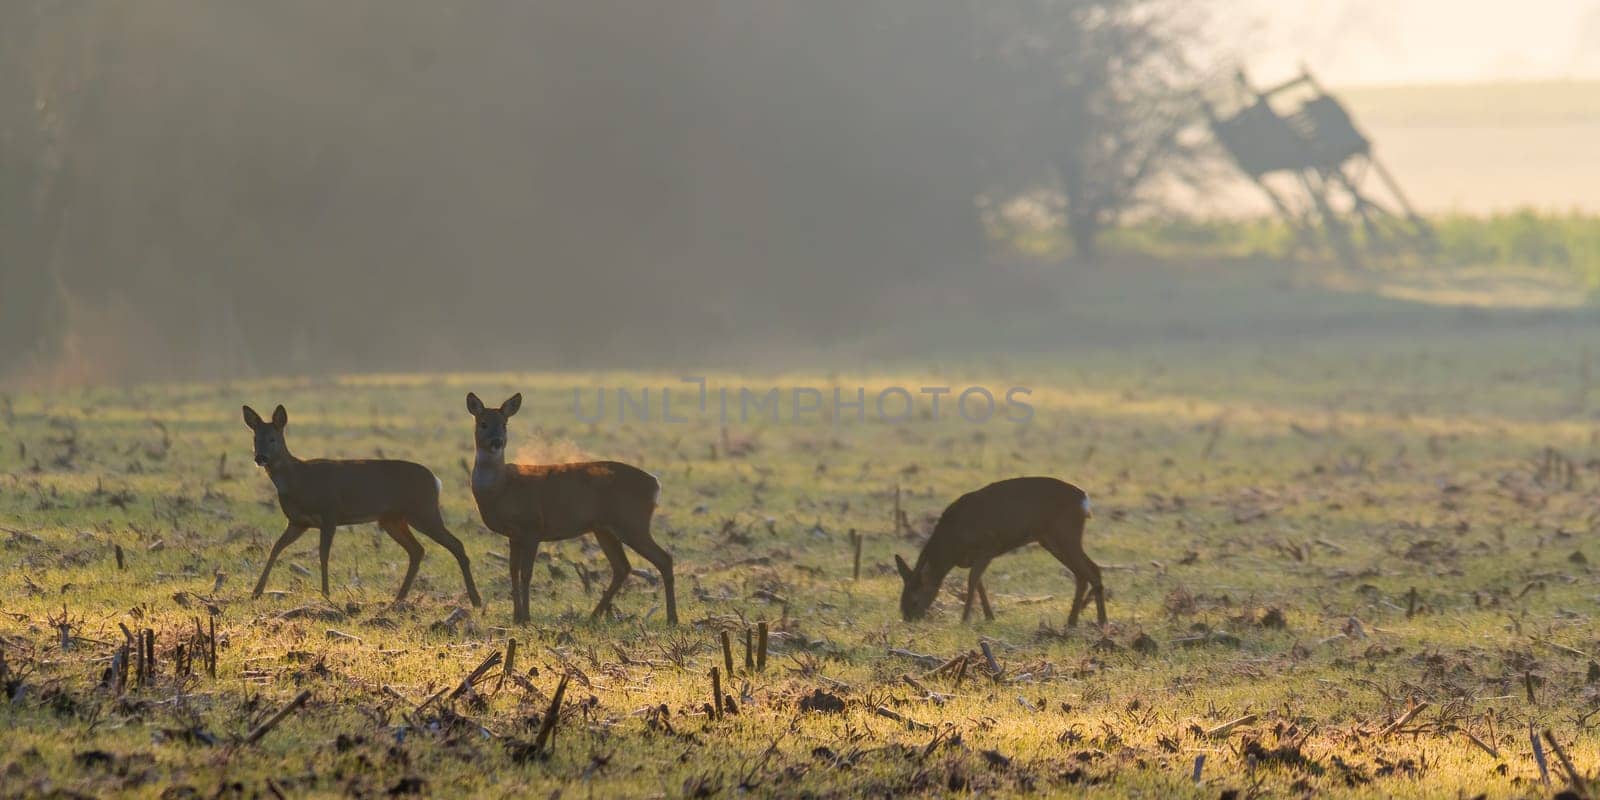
x: 695, y: 399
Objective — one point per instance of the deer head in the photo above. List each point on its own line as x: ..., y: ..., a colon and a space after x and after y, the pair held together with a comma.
x: 918, y: 593
x: 270, y: 446
x: 490, y: 433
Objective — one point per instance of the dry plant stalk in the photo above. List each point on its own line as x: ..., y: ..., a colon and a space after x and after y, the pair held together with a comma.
x: 761, y: 646
x: 264, y: 728
x: 1227, y: 727
x: 716, y: 693
x: 1410, y: 714
x: 1573, y: 777
x: 889, y: 713
x: 547, y: 727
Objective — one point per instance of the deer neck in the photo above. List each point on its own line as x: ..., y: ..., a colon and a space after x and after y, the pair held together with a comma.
x: 284, y: 470
x: 489, y: 472
x: 932, y: 567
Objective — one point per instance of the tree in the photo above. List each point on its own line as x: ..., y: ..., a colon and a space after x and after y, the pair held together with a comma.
x: 1100, y: 92
x: 392, y: 184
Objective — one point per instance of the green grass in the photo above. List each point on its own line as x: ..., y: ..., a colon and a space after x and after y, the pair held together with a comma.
x: 1321, y: 478
x: 1564, y: 244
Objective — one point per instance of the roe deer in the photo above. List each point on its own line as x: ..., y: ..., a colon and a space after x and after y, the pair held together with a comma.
x: 529, y: 504
x: 997, y: 519
x: 325, y: 494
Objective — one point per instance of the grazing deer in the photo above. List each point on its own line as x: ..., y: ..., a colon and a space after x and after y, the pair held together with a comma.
x: 529, y: 504
x: 997, y: 519
x: 325, y: 494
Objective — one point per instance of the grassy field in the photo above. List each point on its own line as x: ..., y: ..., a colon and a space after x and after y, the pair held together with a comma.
x: 1317, y: 510
x: 1564, y: 247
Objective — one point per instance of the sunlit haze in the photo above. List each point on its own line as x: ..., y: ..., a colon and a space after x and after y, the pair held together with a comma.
x: 1422, y: 41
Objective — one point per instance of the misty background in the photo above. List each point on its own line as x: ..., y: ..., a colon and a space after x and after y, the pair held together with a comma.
x: 195, y: 188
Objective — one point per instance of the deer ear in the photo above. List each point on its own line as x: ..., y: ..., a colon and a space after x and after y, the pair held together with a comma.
x: 280, y: 417
x: 251, y: 418
x: 474, y: 405
x: 511, y: 404
x: 905, y: 572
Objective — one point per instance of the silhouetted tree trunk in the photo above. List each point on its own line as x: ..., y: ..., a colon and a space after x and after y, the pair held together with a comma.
x: 1101, y: 89
x: 1082, y: 211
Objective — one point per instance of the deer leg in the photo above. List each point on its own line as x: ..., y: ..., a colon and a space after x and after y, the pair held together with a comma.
x: 1099, y: 590
x: 1067, y: 546
x: 637, y: 536
x: 1080, y: 586
x: 400, y: 532
x: 1080, y: 591
x: 612, y: 547
x: 324, y: 547
x: 290, y: 534
x: 432, y: 526
x: 530, y: 552
x: 1091, y: 574
x: 1087, y: 574
x: 1080, y: 598
x: 974, y: 580
x: 514, y: 558
x: 983, y: 597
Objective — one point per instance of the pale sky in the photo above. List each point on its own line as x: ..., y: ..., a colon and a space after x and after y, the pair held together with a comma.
x: 1415, y: 41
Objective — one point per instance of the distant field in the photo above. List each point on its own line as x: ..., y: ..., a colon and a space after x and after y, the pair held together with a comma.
x: 1481, y: 148
x: 1490, y: 147
x: 1554, y: 256
x: 1318, y: 510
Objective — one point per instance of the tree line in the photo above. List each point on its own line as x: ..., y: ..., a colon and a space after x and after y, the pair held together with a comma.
x: 189, y: 187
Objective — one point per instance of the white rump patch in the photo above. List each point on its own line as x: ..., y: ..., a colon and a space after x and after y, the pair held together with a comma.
x: 1086, y: 509
x: 440, y: 484
x: 657, y: 478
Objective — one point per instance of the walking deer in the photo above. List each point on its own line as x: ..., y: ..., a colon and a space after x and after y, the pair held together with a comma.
x: 997, y: 519
x: 324, y: 494
x: 529, y: 504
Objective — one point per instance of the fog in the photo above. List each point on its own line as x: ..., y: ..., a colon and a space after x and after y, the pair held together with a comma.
x: 1373, y: 42
x: 198, y: 189
x: 379, y: 185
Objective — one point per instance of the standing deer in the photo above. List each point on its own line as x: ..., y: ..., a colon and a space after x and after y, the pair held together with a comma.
x: 529, y: 504
x: 997, y: 519
x: 325, y: 494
